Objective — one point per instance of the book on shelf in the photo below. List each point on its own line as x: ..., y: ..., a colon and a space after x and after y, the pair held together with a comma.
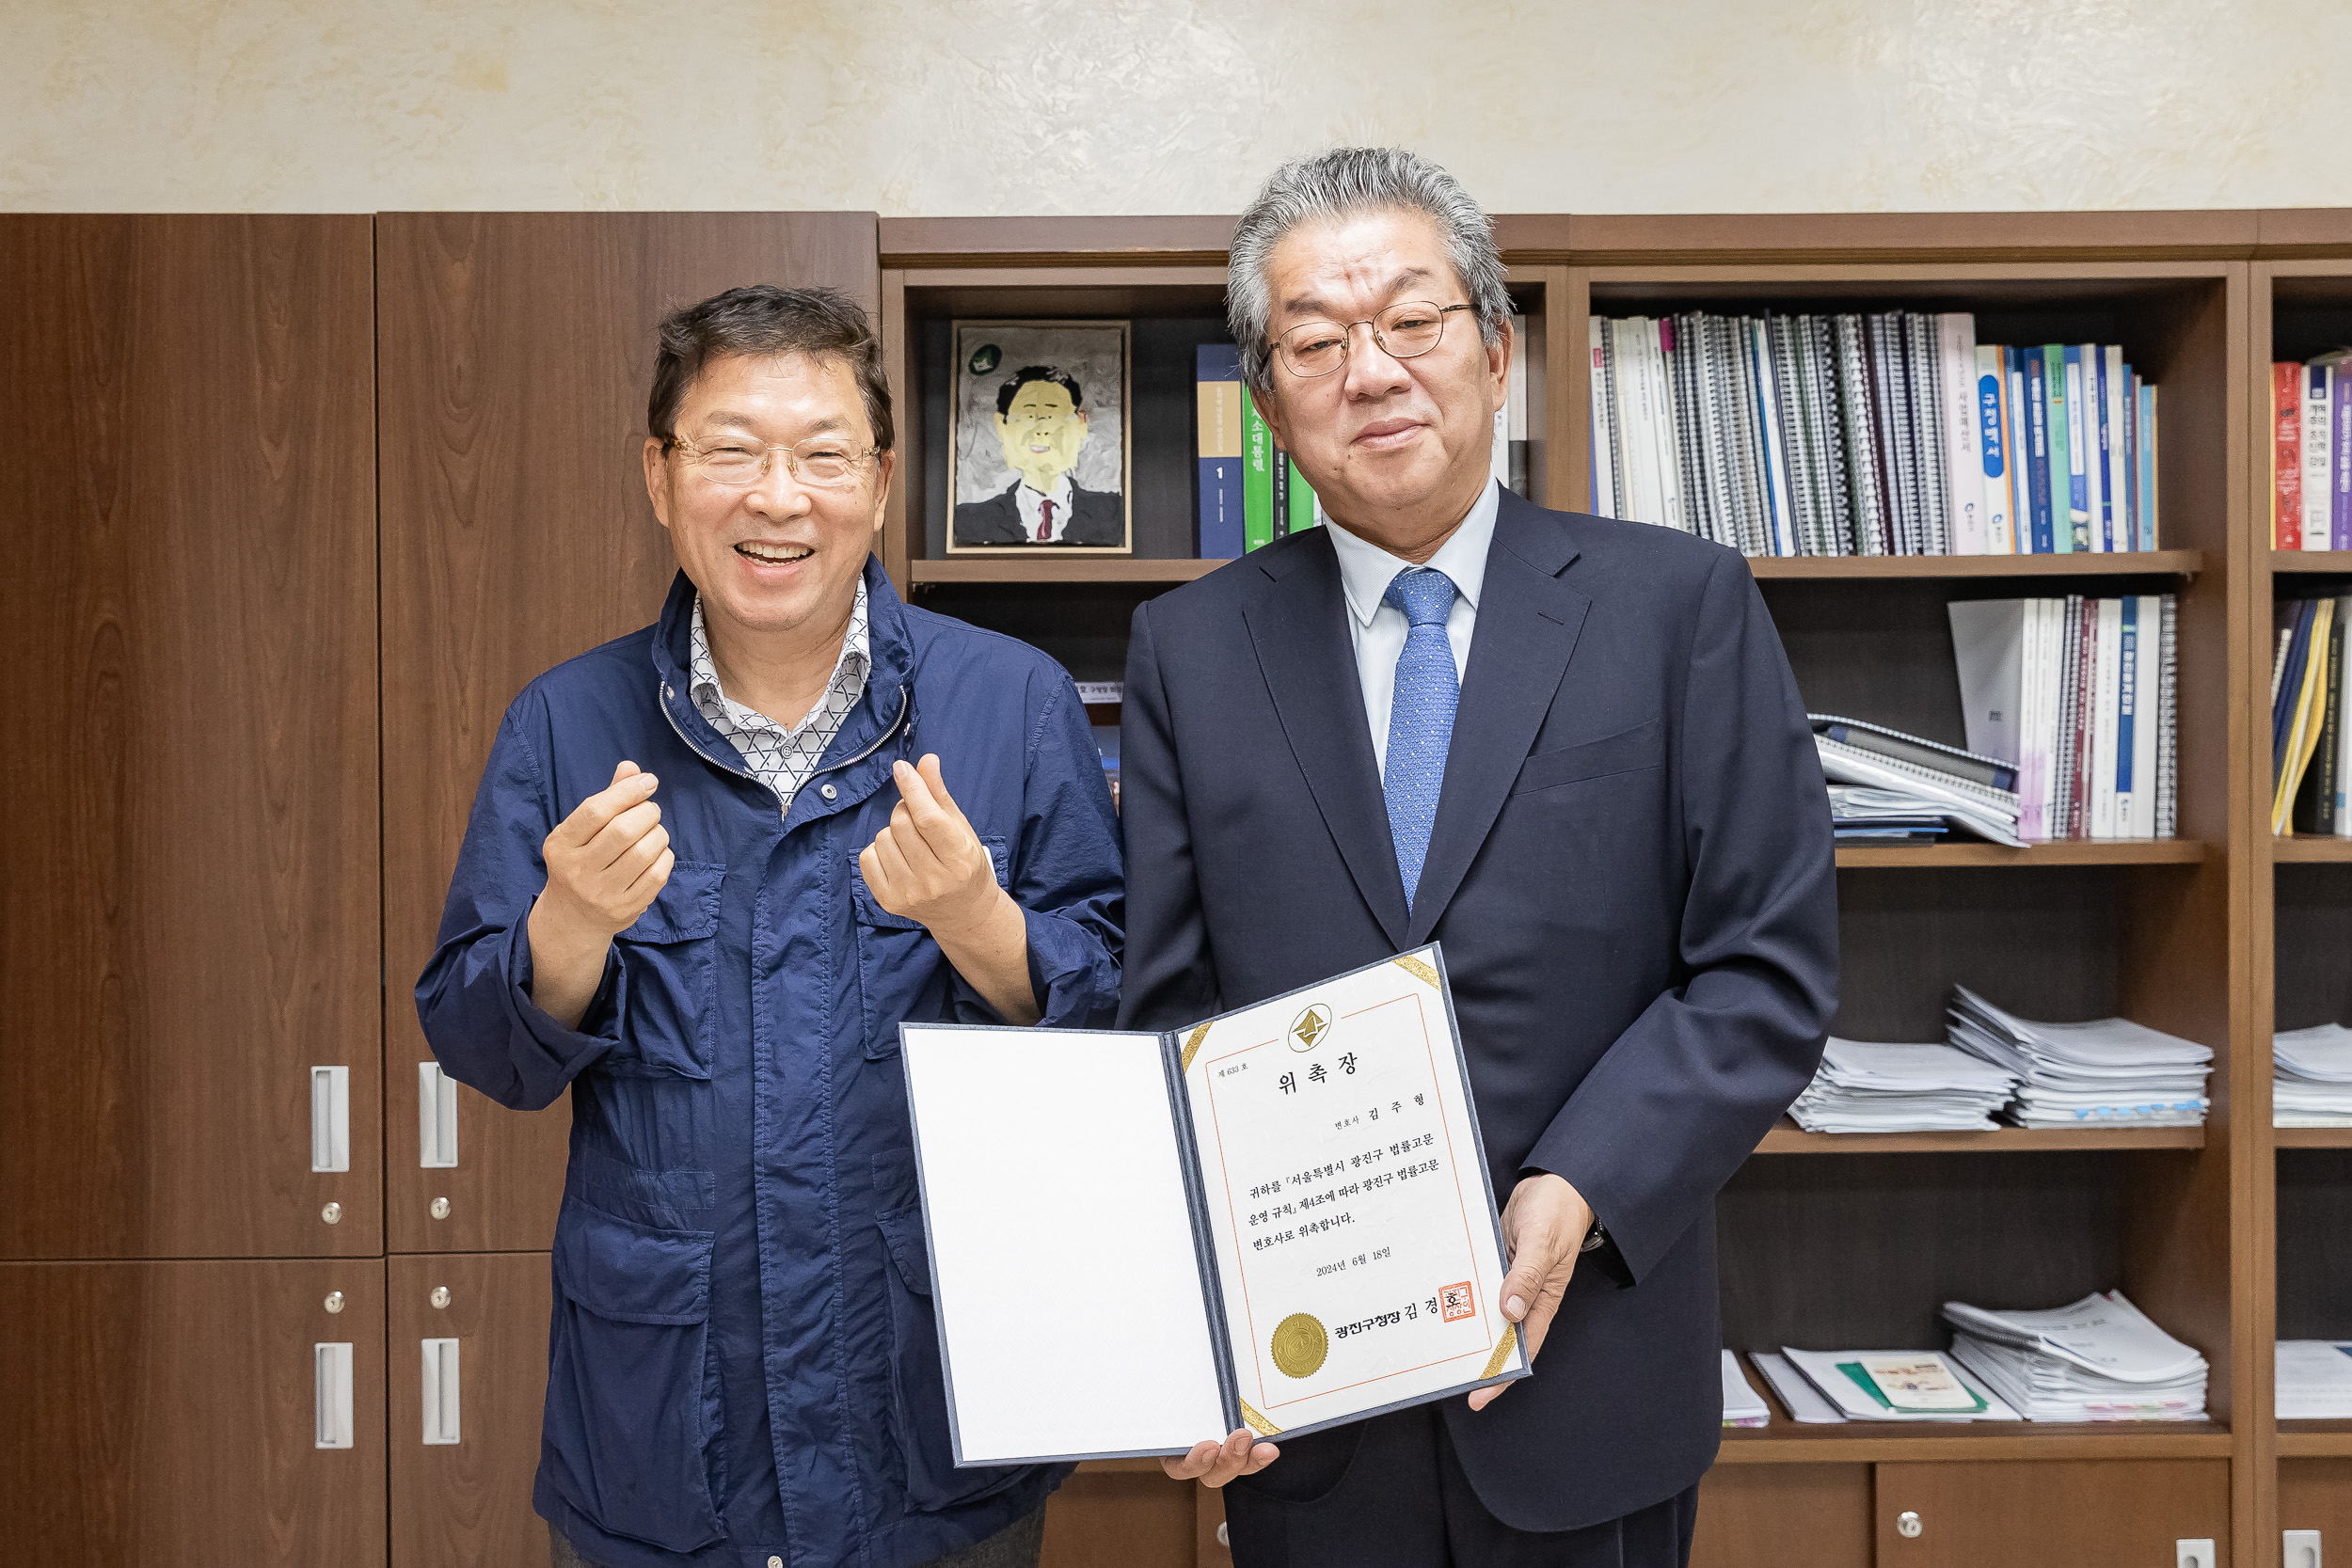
x: 1216, y: 380
x: 1742, y: 1405
x: 1891, y: 433
x: 2311, y: 1077
x: 2315, y: 1381
x: 2099, y: 1359
x: 2310, y: 453
x: 1886, y: 784
x: 1257, y: 476
x: 2081, y: 695
x: 2310, y: 751
x: 1888, y: 1386
x: 2108, y: 1071
x: 1802, y: 1401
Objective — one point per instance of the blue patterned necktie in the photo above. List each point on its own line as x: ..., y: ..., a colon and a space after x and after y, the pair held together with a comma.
x: 1421, y: 719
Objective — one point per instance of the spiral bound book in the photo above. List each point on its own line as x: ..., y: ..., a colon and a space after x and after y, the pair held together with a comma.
x: 1280, y: 1218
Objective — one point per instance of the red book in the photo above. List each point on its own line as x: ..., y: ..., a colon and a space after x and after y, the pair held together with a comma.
x: 2286, y: 456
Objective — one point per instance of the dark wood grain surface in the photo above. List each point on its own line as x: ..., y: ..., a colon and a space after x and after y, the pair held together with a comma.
x: 164, y: 1412
x: 1783, y: 1516
x: 2103, y: 1510
x: 517, y: 350
x: 188, y: 917
x: 468, y: 1504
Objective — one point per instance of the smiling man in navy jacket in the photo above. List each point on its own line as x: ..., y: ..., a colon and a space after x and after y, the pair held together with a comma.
x: 1568, y: 748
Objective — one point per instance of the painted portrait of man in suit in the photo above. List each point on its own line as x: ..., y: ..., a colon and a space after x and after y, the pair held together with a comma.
x: 1041, y: 425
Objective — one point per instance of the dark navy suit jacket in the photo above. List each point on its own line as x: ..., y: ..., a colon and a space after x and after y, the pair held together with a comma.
x: 1096, y: 517
x: 1632, y: 875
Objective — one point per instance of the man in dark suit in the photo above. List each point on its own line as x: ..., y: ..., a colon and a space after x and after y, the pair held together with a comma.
x: 1566, y: 747
x: 1041, y: 422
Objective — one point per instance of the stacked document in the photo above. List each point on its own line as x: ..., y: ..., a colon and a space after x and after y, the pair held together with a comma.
x: 1742, y: 1405
x: 1907, y: 786
x: 1866, y: 1087
x: 1888, y: 1386
x: 2314, y: 1380
x: 2109, y: 1070
x: 2101, y: 1359
x: 2311, y: 1083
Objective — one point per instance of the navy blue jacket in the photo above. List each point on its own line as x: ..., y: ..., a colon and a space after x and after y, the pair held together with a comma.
x: 1631, y: 873
x: 743, y: 1362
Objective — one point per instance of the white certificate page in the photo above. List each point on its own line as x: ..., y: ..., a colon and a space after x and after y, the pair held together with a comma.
x: 1354, y: 1236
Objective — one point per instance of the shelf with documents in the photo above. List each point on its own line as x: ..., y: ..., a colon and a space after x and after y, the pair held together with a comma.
x: 2314, y: 1138
x: 2179, y: 564
x: 1788, y: 1138
x: 1787, y: 1442
x: 2065, y: 851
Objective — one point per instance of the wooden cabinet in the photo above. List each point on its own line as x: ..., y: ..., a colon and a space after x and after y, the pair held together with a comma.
x: 515, y: 353
x: 2316, y: 1493
x: 466, y: 1504
x: 1783, y: 1516
x: 170, y: 1412
x: 2125, y: 1511
x: 1126, y: 1512
x: 188, y: 919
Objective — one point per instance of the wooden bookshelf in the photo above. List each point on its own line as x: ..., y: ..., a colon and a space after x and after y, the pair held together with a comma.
x: 2177, y: 933
x: 1788, y: 1138
x: 2312, y: 1137
x: 2045, y: 852
x: 1874, y: 568
x: 2316, y: 1439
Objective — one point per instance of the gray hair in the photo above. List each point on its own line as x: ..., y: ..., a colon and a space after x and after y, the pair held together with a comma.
x: 1345, y: 180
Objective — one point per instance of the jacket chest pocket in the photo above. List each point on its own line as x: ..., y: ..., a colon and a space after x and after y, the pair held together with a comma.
x: 897, y: 957
x: 669, y: 968
x: 633, y: 1397
x: 1633, y: 751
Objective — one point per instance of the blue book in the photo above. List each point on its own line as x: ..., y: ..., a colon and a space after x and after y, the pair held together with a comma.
x: 2148, y: 519
x: 2097, y: 373
x: 2078, y: 428
x: 1217, y: 371
x: 2127, y: 700
x: 2129, y: 436
x: 2038, y: 434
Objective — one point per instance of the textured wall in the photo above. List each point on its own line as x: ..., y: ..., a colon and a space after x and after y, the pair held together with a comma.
x: 937, y: 107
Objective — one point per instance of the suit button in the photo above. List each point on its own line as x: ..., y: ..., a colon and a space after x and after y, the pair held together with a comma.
x: 828, y: 792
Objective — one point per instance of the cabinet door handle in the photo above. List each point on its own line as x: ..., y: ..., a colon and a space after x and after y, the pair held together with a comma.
x: 436, y: 1117
x: 333, y: 1414
x: 440, y: 1391
x: 330, y: 1118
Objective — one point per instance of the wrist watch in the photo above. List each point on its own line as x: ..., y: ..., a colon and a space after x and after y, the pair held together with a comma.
x: 1594, y: 1239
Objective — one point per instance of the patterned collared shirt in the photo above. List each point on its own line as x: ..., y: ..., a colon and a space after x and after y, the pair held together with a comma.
x: 780, y: 758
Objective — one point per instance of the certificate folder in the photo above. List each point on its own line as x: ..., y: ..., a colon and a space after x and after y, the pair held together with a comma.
x: 1278, y: 1218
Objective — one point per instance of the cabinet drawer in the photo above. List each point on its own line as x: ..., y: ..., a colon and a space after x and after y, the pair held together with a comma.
x: 1783, y: 1516
x: 2118, y: 1510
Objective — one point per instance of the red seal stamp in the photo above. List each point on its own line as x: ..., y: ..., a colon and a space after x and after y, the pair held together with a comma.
x: 1454, y: 1302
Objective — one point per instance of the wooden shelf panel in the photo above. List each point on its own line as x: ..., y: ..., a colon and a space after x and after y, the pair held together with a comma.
x: 1873, y: 1442
x: 2316, y: 1439
x: 1876, y: 568
x: 2074, y: 851
x: 2311, y: 1137
x: 2301, y: 847
x: 1015, y: 568
x: 2311, y: 561
x: 1788, y: 1138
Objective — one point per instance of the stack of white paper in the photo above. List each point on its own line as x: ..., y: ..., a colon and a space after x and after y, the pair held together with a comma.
x: 2311, y: 1083
x: 2314, y: 1380
x: 2109, y: 1070
x: 1742, y: 1405
x: 1826, y: 1371
x: 1867, y: 1087
x: 2101, y: 1359
x: 1880, y: 790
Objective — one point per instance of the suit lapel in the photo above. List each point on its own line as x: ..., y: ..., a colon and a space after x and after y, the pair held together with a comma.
x: 1528, y: 622
x: 1298, y: 626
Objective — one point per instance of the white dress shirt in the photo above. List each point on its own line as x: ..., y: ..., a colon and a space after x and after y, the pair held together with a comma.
x: 1029, y: 501
x: 1376, y: 629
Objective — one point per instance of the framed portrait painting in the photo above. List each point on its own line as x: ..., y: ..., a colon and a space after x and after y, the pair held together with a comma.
x: 1040, y: 451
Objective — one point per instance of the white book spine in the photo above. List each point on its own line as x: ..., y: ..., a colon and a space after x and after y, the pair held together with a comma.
x: 2033, y: 758
x: 2150, y: 636
x: 2092, y: 461
x: 2104, y: 693
x: 1662, y: 406
x: 1768, y: 429
x: 2020, y: 451
x: 1604, y: 470
x: 1956, y: 343
x: 2318, y: 470
x: 2053, y: 718
x: 1636, y: 484
x: 2064, y: 506
x: 1992, y: 452
x: 2118, y: 448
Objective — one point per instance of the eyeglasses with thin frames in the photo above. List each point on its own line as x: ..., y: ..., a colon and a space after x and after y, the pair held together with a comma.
x: 735, y: 464
x: 1406, y: 330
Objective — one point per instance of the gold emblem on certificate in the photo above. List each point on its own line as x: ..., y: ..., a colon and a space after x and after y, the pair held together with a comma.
x: 1299, y: 1345
x: 1309, y: 1028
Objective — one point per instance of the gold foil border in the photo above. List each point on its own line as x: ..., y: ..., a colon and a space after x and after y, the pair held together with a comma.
x: 1257, y: 1424
x: 1415, y: 967
x: 1192, y: 1049
x: 1503, y: 1351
